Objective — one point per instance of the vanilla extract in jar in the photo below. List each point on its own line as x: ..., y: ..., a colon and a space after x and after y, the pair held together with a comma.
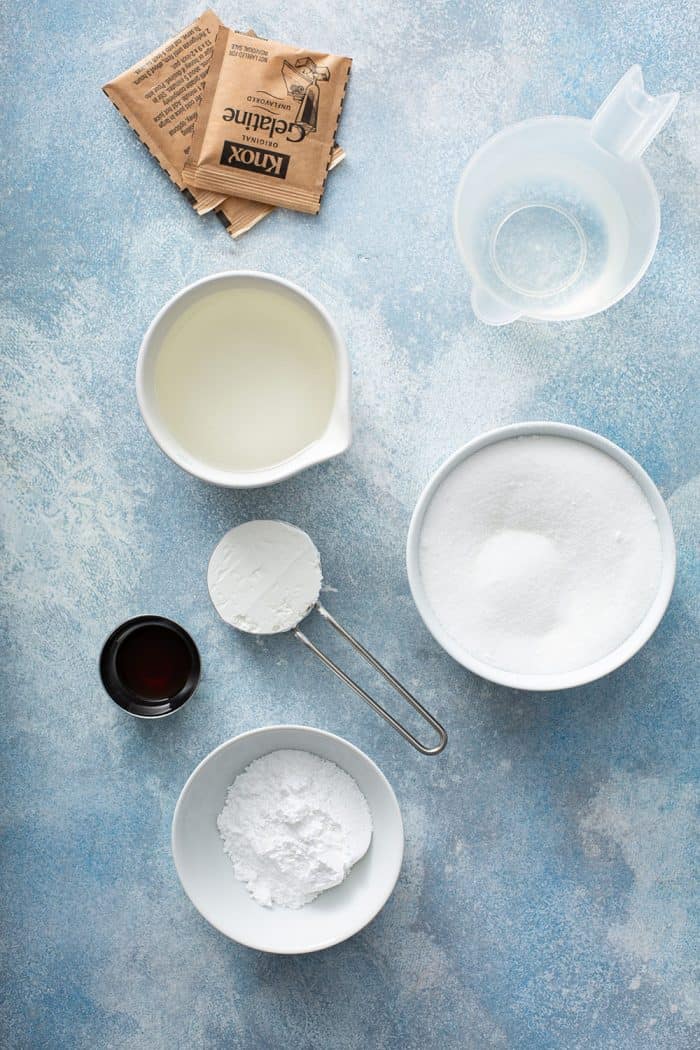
x: 150, y: 666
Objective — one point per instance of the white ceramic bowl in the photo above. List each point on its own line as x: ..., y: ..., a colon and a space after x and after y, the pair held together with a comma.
x: 566, y: 679
x: 206, y: 873
x: 337, y: 434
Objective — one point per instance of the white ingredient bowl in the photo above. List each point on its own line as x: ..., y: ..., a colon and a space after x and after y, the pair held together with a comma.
x: 206, y: 872
x: 566, y: 679
x: 332, y: 442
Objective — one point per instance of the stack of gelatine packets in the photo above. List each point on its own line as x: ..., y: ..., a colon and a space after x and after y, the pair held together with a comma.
x: 240, y: 124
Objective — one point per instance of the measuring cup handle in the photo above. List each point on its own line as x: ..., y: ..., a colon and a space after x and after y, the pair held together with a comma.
x: 400, y: 689
x: 629, y: 118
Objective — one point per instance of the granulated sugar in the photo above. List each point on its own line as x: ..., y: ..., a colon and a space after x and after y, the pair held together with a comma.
x: 540, y: 554
x: 293, y: 825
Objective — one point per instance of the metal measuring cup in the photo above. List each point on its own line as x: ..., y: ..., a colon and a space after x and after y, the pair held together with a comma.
x: 265, y: 577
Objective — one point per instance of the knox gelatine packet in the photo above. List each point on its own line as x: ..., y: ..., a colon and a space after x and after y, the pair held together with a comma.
x: 159, y: 97
x: 267, y: 122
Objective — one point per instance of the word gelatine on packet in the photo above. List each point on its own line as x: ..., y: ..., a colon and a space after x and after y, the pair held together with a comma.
x: 267, y: 122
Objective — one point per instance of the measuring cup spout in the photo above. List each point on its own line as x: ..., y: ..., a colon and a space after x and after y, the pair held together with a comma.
x: 629, y: 118
x: 334, y: 441
x: 490, y: 309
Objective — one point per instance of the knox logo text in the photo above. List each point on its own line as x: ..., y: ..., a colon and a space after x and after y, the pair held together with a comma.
x: 253, y: 158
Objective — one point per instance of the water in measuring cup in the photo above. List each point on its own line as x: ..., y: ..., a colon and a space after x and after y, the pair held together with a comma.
x: 553, y: 240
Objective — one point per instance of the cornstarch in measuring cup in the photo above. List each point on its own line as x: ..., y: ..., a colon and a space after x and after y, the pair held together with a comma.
x: 293, y: 825
x: 264, y: 576
x: 540, y: 554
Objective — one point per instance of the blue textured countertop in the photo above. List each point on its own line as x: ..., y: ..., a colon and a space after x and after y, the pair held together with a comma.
x: 547, y: 893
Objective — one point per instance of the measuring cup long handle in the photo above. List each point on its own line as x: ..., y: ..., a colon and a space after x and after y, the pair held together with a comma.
x: 405, y: 733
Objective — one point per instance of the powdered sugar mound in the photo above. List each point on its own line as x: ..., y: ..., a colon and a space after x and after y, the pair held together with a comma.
x: 293, y: 825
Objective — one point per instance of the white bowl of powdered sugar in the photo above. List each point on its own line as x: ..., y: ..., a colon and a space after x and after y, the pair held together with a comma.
x: 541, y: 556
x: 287, y: 839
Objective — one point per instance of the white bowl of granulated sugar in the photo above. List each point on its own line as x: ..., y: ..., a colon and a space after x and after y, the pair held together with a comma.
x: 541, y: 556
x: 287, y: 839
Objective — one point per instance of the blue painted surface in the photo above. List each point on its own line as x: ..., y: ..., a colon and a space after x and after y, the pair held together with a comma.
x: 547, y: 896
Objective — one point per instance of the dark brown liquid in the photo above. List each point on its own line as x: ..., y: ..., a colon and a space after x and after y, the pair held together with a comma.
x: 153, y: 662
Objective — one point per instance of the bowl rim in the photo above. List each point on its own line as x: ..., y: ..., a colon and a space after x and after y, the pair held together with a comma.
x: 606, y: 664
x: 335, y: 439
x: 312, y: 732
x: 517, y: 127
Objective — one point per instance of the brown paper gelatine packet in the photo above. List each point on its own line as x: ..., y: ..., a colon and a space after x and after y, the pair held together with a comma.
x: 164, y: 70
x: 267, y: 122
x: 159, y: 98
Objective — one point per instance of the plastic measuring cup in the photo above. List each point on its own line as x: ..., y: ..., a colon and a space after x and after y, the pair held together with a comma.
x: 557, y: 217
